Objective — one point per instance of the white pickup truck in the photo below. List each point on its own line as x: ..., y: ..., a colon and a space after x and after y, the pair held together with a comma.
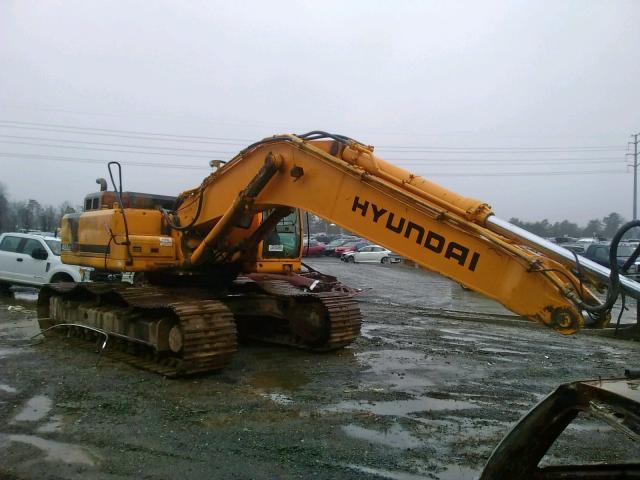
x: 33, y: 260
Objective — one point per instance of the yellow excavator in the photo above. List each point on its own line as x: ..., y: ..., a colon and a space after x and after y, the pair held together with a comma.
x: 223, y: 260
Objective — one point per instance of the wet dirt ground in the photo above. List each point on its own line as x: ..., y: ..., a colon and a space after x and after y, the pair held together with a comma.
x: 425, y: 392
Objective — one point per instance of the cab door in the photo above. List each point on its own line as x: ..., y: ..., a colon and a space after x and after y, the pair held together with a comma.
x: 9, y: 257
x: 31, y: 270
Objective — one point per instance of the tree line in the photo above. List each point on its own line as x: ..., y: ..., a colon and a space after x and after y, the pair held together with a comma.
x: 30, y: 214
x: 605, y: 227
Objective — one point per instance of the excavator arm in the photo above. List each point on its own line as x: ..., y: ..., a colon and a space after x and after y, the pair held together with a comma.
x: 344, y: 182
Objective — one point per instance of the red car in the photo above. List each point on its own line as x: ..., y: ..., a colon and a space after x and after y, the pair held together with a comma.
x: 349, y: 247
x: 312, y: 248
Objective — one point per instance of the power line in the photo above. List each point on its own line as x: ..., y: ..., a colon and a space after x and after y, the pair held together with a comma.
x: 502, y: 160
x: 139, y: 152
x: 527, y: 174
x: 197, y: 167
x: 156, y: 136
x: 581, y: 147
x: 110, y: 130
x: 211, y: 153
x: 475, y: 161
x: 128, y: 145
x: 281, y: 126
x: 502, y: 150
x: 138, y: 137
x: 95, y: 161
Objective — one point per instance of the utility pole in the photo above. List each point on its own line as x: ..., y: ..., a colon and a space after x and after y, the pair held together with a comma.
x: 635, y: 175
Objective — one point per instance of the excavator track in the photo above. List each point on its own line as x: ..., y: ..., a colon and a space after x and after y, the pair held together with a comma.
x: 149, y: 329
x: 204, y: 338
x: 334, y: 318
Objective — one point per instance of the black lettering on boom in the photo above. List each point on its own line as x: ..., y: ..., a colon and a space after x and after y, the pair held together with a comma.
x: 457, y: 252
x: 390, y: 225
x: 433, y: 242
x: 438, y: 239
x: 362, y: 206
x: 377, y: 213
x: 474, y: 261
x: 412, y: 226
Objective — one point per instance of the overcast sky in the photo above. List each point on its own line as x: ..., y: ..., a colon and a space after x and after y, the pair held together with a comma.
x: 526, y: 105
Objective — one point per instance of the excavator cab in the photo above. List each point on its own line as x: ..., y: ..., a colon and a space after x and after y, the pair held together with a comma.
x: 98, y: 236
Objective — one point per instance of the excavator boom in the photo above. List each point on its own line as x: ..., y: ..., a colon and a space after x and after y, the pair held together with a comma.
x: 344, y: 182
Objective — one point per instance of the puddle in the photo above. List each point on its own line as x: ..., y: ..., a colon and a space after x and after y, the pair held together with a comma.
x: 401, y: 408
x: 6, y: 388
x: 5, y: 352
x: 455, y: 472
x: 395, y: 437
x: 278, y: 379
x: 52, y: 426
x: 278, y: 399
x: 35, y: 409
x: 55, y: 451
x: 378, y: 472
x: 403, y: 370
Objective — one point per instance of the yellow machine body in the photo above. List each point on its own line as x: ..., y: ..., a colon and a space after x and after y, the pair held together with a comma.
x: 344, y: 182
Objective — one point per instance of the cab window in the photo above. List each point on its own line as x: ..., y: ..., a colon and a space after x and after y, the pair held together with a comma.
x: 283, y: 241
x: 602, y: 254
x: 55, y: 246
x: 10, y: 244
x: 30, y: 245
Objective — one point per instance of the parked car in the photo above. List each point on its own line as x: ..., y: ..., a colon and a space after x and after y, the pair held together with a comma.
x: 330, y: 248
x: 350, y: 247
x: 562, y: 240
x: 312, y: 248
x: 33, y: 260
x: 599, y: 253
x: 371, y: 254
x: 574, y: 247
x: 322, y: 237
x: 586, y: 241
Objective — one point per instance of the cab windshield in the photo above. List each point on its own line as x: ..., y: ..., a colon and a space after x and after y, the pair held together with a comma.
x: 54, y: 245
x: 283, y: 241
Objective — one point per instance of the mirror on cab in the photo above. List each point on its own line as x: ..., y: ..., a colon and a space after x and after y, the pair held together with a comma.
x: 39, y: 254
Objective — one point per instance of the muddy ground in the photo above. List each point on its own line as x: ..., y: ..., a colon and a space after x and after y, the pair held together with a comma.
x: 423, y: 393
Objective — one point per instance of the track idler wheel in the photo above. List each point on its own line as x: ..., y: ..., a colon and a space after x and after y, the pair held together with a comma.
x: 309, y: 322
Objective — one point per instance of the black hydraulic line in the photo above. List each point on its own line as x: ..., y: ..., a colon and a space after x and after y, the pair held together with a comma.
x: 319, y: 134
x: 308, y: 232
x: 313, y: 135
x: 614, y: 277
x: 631, y: 260
x: 118, y: 192
x: 192, y: 222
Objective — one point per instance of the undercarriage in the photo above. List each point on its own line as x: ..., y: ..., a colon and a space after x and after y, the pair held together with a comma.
x: 183, y: 331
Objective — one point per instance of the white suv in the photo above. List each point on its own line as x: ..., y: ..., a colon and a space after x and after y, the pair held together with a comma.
x: 29, y: 259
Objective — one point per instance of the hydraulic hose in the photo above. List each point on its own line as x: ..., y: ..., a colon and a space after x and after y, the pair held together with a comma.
x: 614, y: 278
